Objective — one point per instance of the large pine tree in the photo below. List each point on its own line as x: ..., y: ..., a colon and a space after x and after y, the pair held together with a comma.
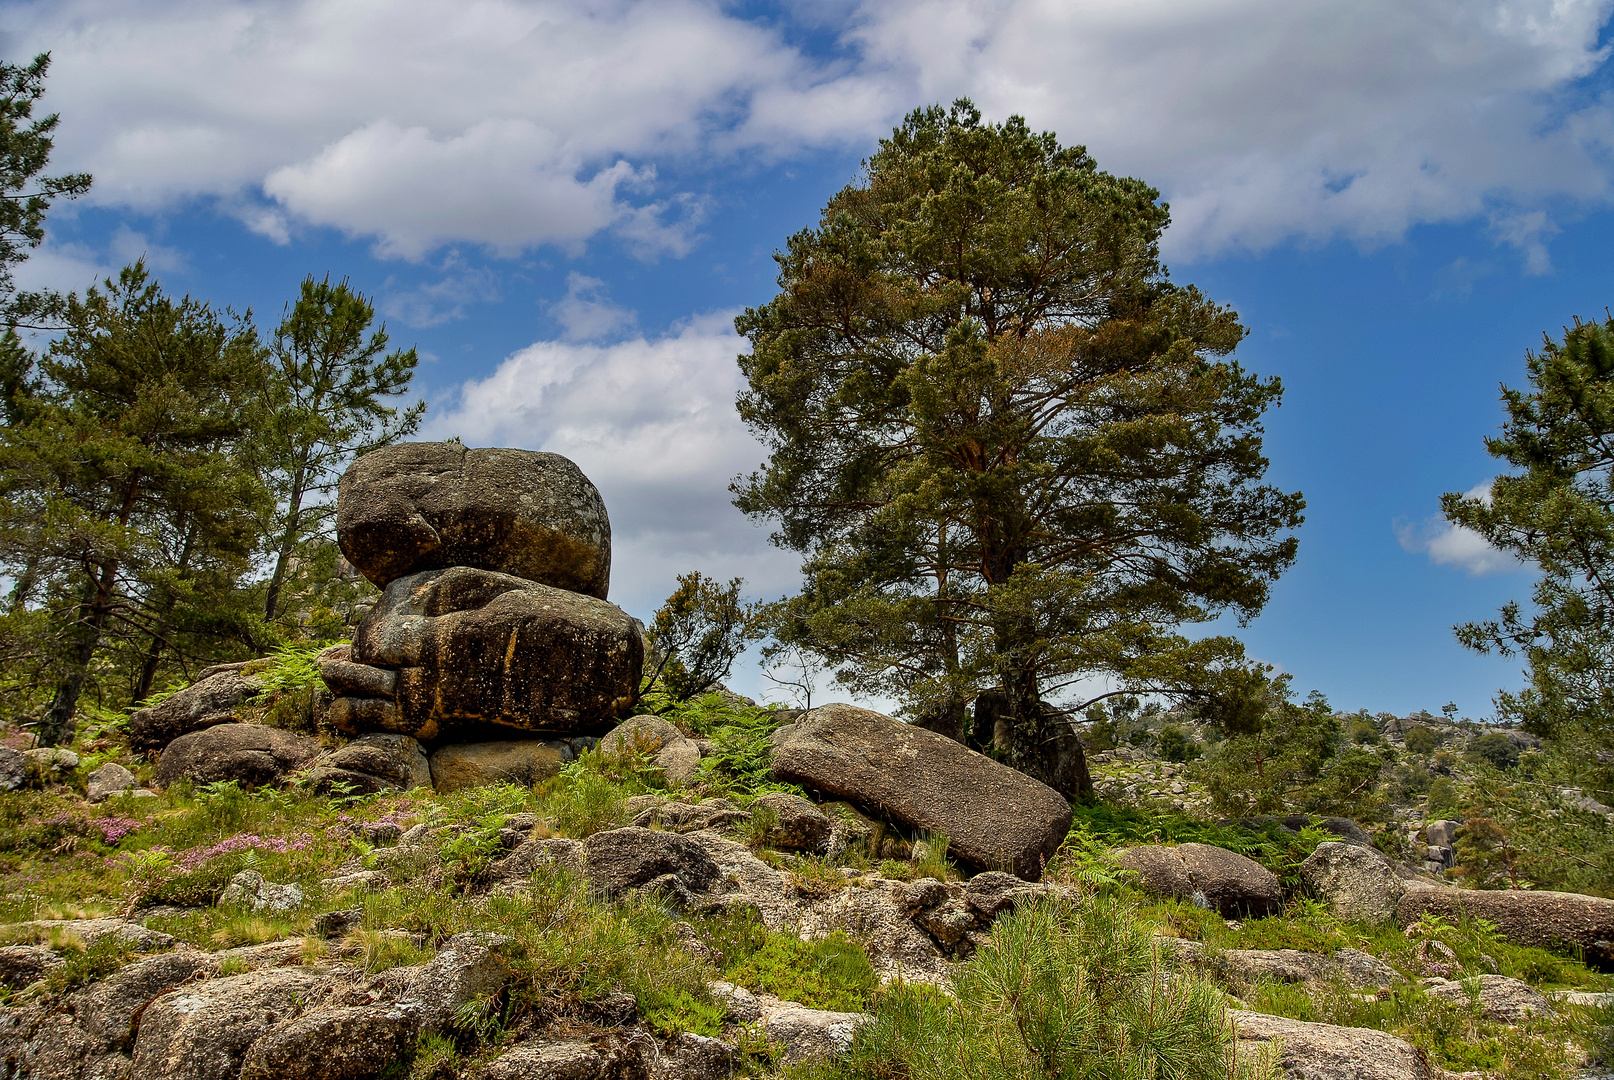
x: 1015, y: 455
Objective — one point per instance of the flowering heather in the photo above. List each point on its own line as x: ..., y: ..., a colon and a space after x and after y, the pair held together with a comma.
x: 194, y: 857
x: 114, y: 829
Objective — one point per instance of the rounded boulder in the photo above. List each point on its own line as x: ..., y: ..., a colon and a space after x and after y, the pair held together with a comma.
x: 412, y: 507
x: 1221, y: 880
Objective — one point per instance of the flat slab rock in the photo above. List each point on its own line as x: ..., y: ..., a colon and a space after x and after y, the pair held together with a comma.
x: 1308, y: 1051
x: 1530, y: 917
x: 995, y: 817
x: 411, y: 507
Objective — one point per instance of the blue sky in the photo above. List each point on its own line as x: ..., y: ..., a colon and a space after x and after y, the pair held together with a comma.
x: 564, y: 204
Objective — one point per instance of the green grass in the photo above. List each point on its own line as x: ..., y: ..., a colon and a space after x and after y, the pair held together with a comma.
x: 829, y: 973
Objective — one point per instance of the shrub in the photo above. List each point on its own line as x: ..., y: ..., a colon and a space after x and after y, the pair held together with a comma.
x: 1067, y: 990
x: 1420, y: 740
x: 1496, y: 748
x: 1175, y: 743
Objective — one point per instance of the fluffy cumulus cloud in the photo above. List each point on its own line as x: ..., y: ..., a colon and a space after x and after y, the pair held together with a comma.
x: 651, y: 421
x: 1447, y: 544
x: 516, y: 123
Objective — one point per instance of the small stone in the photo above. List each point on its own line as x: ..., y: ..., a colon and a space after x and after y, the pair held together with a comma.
x: 108, y: 780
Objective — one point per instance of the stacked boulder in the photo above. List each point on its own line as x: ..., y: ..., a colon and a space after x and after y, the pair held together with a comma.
x: 493, y: 566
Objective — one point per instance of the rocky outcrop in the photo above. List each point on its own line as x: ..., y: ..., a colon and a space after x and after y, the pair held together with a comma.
x: 13, y: 769
x: 411, y: 507
x: 251, y: 891
x: 1357, y: 883
x: 251, y: 754
x: 1221, y: 880
x: 22, y: 965
x: 1248, y: 967
x: 994, y: 817
x: 202, y: 1031
x: 473, y: 647
x: 203, y: 704
x: 619, y: 1059
x: 667, y: 748
x: 1547, y: 919
x: 515, y: 761
x: 1306, y: 1051
x: 805, y: 1033
x: 379, y: 761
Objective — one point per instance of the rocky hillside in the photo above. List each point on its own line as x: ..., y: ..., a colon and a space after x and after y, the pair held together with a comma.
x: 728, y: 891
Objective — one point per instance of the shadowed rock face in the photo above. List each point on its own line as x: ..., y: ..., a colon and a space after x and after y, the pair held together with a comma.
x: 475, y: 647
x: 413, y: 507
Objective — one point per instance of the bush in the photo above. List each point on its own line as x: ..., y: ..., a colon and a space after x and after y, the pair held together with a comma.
x: 1495, y: 748
x: 1064, y: 989
x: 1420, y: 740
x: 1175, y: 743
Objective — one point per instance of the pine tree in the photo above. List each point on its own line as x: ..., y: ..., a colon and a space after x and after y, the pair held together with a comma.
x: 1015, y: 455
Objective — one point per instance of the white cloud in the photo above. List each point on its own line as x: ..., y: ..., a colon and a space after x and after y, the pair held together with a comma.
x: 1266, y: 120
x: 513, y: 123
x: 1447, y: 544
x: 651, y: 421
x: 586, y: 313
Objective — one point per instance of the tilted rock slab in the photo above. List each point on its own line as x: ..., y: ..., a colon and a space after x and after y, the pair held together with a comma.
x: 1225, y: 881
x: 471, y: 647
x: 412, y: 507
x: 995, y: 818
x: 1532, y: 917
x: 203, y: 704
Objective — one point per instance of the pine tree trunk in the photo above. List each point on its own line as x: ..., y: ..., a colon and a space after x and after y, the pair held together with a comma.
x: 57, y: 725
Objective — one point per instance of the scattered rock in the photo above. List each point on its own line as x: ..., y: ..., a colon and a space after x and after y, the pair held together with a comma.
x: 379, y: 761
x: 411, y: 507
x: 1342, y: 827
x: 668, y: 749
x: 201, y: 1031
x: 621, y: 1060
x: 800, y: 826
x: 1324, y: 1052
x: 108, y: 780
x: 689, y: 817
x: 1212, y: 877
x: 332, y: 1044
x: 13, y: 769
x: 1357, y: 883
x: 206, y: 703
x: 696, y: 1057
x: 464, y: 968
x: 333, y: 924
x: 531, y: 854
x: 49, y: 764
x: 251, y: 754
x: 1541, y: 918
x: 811, y: 1033
x: 994, y: 817
x: 635, y: 858
x: 252, y: 891
x: 523, y: 762
x: 1506, y: 1000
x: 473, y: 647
x: 740, y: 1006
x: 21, y: 965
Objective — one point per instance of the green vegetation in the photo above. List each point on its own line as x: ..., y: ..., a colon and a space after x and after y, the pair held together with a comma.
x: 1064, y: 989
x: 1013, y: 453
